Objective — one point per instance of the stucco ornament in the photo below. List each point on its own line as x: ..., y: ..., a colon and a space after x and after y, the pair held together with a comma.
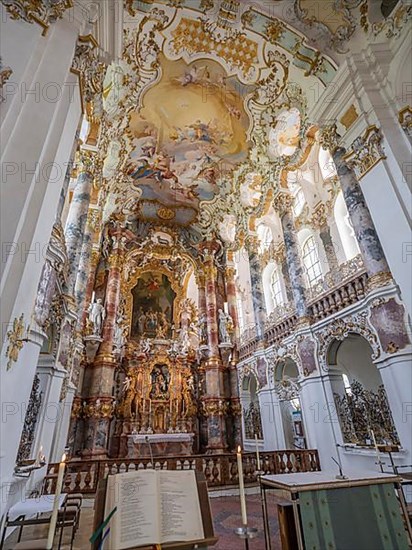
x: 227, y: 228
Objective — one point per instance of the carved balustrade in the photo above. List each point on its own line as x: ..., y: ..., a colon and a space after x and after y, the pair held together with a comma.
x: 336, y: 291
x: 220, y: 470
x: 343, y: 296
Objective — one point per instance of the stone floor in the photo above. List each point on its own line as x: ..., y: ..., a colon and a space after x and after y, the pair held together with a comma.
x: 226, y: 517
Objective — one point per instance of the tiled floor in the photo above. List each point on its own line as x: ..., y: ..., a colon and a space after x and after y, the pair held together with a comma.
x: 226, y: 517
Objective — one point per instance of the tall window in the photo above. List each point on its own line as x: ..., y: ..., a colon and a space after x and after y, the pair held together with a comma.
x: 240, y: 313
x: 298, y: 202
x: 276, y: 288
x: 311, y: 260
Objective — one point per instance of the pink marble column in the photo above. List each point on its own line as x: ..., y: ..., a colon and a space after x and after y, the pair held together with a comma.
x: 99, y: 377
x: 214, y: 402
x: 210, y: 270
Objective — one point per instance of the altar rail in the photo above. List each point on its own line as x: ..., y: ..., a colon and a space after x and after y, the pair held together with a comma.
x: 82, y: 476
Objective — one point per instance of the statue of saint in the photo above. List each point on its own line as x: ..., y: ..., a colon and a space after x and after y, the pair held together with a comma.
x: 203, y: 329
x: 118, y: 338
x: 141, y: 321
x: 97, y: 315
x: 223, y: 332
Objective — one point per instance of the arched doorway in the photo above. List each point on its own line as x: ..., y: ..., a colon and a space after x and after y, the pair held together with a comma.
x: 287, y: 390
x: 361, y: 403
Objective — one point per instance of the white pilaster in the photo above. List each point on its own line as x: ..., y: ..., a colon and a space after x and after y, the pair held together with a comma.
x: 396, y: 373
x: 62, y: 426
x: 271, y: 416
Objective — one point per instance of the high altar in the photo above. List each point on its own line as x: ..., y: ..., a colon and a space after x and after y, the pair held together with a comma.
x: 160, y: 377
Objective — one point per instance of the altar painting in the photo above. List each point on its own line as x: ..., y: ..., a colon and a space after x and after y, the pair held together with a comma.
x: 153, y: 299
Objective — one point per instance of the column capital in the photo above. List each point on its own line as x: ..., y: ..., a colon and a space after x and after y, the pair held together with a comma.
x: 319, y: 217
x: 329, y: 137
x: 283, y: 202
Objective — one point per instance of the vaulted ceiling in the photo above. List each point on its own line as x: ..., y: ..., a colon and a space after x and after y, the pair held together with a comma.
x: 208, y: 101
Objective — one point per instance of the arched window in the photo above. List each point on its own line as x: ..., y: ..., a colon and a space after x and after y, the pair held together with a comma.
x: 298, y: 202
x: 241, y: 318
x: 345, y: 228
x: 311, y: 260
x: 276, y: 288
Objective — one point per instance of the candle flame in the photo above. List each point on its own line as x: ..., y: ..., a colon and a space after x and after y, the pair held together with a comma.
x: 239, y: 449
x: 63, y: 457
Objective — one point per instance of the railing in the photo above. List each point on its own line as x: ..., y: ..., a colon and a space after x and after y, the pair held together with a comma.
x: 347, y: 294
x: 335, y: 292
x: 83, y: 476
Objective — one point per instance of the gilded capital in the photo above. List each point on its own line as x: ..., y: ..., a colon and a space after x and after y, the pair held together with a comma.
x: 329, y: 137
x: 283, y: 202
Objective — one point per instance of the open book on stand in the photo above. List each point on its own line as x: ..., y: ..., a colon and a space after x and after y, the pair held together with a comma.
x: 164, y: 507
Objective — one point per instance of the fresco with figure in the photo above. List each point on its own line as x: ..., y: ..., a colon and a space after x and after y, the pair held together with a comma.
x: 153, y: 299
x: 191, y: 127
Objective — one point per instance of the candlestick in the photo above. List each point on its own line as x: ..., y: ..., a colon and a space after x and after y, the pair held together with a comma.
x: 241, y: 486
x: 257, y: 453
x: 144, y: 404
x: 378, y: 456
x: 53, y: 519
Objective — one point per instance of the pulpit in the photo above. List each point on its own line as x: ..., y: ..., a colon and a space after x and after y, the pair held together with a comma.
x: 169, y: 444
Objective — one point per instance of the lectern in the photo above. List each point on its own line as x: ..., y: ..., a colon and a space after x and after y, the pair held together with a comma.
x: 209, y: 540
x: 365, y: 510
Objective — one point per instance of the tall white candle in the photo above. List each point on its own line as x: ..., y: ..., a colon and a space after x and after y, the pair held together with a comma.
x: 257, y: 453
x: 53, y: 519
x: 241, y: 486
x: 378, y: 456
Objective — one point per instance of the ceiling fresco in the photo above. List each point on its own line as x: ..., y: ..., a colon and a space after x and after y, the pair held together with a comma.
x: 192, y: 123
x: 206, y: 106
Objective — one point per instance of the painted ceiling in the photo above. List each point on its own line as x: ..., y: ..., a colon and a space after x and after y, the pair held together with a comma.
x: 209, y: 102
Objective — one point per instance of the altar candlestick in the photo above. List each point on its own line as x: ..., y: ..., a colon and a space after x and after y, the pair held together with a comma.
x: 171, y: 406
x: 378, y: 456
x: 257, y: 453
x: 241, y: 486
x: 150, y: 406
x: 53, y: 519
x: 144, y: 404
x: 39, y: 456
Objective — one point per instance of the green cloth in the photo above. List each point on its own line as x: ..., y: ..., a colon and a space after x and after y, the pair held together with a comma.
x: 355, y: 518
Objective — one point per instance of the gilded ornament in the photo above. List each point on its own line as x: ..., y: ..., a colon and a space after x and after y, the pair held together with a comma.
x: 165, y: 213
x: 366, y: 151
x: 15, y: 341
x: 405, y: 120
x: 283, y: 202
x: 43, y: 12
x: 329, y: 137
x: 383, y: 278
x: 275, y: 30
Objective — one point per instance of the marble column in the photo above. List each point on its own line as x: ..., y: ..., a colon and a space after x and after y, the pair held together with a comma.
x: 230, y: 273
x: 319, y: 221
x: 279, y: 257
x: 258, y: 297
x: 214, y: 403
x: 283, y: 204
x: 210, y: 271
x: 85, y: 263
x: 76, y: 220
x: 363, y: 226
x: 235, y: 434
x: 98, y: 381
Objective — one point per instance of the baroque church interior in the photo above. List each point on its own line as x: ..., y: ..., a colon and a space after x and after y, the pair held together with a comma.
x: 206, y: 249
